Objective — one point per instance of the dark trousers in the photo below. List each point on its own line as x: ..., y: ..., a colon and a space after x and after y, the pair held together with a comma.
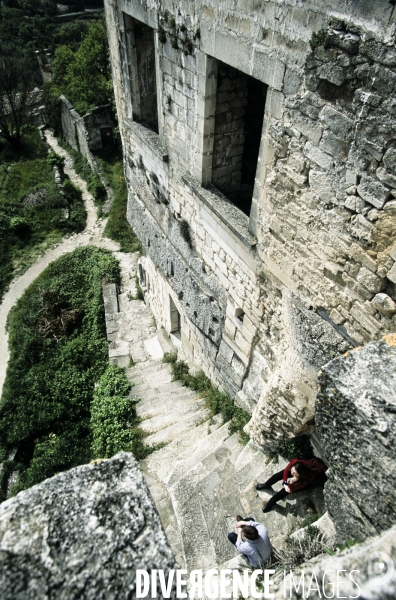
x: 320, y: 480
x: 279, y: 495
x: 233, y: 536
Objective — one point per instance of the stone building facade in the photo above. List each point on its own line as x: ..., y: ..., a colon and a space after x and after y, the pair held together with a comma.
x: 260, y: 158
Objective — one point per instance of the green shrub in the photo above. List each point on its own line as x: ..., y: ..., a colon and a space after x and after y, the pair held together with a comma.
x: 318, y: 38
x: 310, y: 519
x: 58, y: 349
x: 117, y: 226
x: 5, y: 471
x: 298, y: 447
x: 170, y: 357
x: 114, y: 422
x: 312, y: 532
x: 216, y: 401
x: 94, y: 185
x: 54, y: 453
x: 297, y: 552
x: 19, y: 225
x: 77, y: 213
x: 55, y: 160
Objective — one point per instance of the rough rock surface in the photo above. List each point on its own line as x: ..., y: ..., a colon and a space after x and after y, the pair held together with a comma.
x: 317, y: 341
x: 81, y: 534
x: 356, y: 422
x: 374, y: 572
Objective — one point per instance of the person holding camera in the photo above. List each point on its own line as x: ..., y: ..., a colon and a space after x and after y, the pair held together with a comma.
x: 252, y: 540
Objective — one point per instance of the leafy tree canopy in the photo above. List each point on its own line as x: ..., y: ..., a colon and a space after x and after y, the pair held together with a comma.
x: 84, y: 75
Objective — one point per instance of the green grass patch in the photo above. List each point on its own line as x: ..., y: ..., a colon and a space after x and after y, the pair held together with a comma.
x: 117, y: 226
x: 216, y: 401
x: 58, y: 350
x: 31, y: 208
x: 94, y: 184
x: 310, y: 519
x: 114, y: 421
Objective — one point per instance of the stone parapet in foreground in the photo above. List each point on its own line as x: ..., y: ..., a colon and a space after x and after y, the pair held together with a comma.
x: 81, y: 534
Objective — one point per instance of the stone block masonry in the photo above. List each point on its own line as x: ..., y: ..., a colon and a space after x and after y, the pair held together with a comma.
x: 264, y: 298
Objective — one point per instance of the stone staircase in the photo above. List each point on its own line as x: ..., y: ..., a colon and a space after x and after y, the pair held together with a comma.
x: 201, y: 477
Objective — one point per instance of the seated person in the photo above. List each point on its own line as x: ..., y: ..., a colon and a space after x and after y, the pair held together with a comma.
x: 255, y: 546
x: 296, y: 476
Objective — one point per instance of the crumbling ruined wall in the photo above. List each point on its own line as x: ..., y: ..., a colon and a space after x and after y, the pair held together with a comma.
x: 83, y: 132
x: 266, y: 299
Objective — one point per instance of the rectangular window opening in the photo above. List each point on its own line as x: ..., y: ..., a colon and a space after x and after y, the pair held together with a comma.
x: 240, y: 106
x: 140, y: 50
x: 174, y: 318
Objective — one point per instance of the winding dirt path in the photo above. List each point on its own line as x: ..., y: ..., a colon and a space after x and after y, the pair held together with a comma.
x: 92, y: 235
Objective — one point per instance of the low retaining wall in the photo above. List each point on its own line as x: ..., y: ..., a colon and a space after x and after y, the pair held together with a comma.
x: 83, y: 134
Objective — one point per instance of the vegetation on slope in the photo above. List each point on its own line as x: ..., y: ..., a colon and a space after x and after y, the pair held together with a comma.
x: 216, y: 401
x: 117, y: 227
x: 114, y: 422
x: 94, y: 184
x: 58, y: 350
x: 31, y: 207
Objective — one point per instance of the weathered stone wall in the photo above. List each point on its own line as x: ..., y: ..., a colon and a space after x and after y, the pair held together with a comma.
x: 265, y: 300
x: 82, y: 534
x: 83, y: 132
x: 356, y: 422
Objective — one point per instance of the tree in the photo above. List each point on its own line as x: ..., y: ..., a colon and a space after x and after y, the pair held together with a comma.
x: 18, y: 97
x: 84, y: 76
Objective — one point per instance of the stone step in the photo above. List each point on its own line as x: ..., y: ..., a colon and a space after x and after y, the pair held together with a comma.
x: 193, y: 456
x: 223, y: 485
x: 165, y: 341
x: 173, y: 415
x: 138, y: 391
x: 195, y: 495
x: 145, y: 392
x: 170, y: 433
x: 155, y: 378
x: 145, y: 369
x: 165, y: 509
x: 196, y: 540
x: 159, y: 463
x: 160, y: 406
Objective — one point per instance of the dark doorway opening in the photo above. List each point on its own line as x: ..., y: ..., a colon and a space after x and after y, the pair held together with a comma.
x: 106, y: 134
x: 174, y: 318
x: 240, y: 106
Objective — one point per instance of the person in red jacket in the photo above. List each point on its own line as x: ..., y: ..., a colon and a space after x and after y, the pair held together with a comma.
x: 296, y: 476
